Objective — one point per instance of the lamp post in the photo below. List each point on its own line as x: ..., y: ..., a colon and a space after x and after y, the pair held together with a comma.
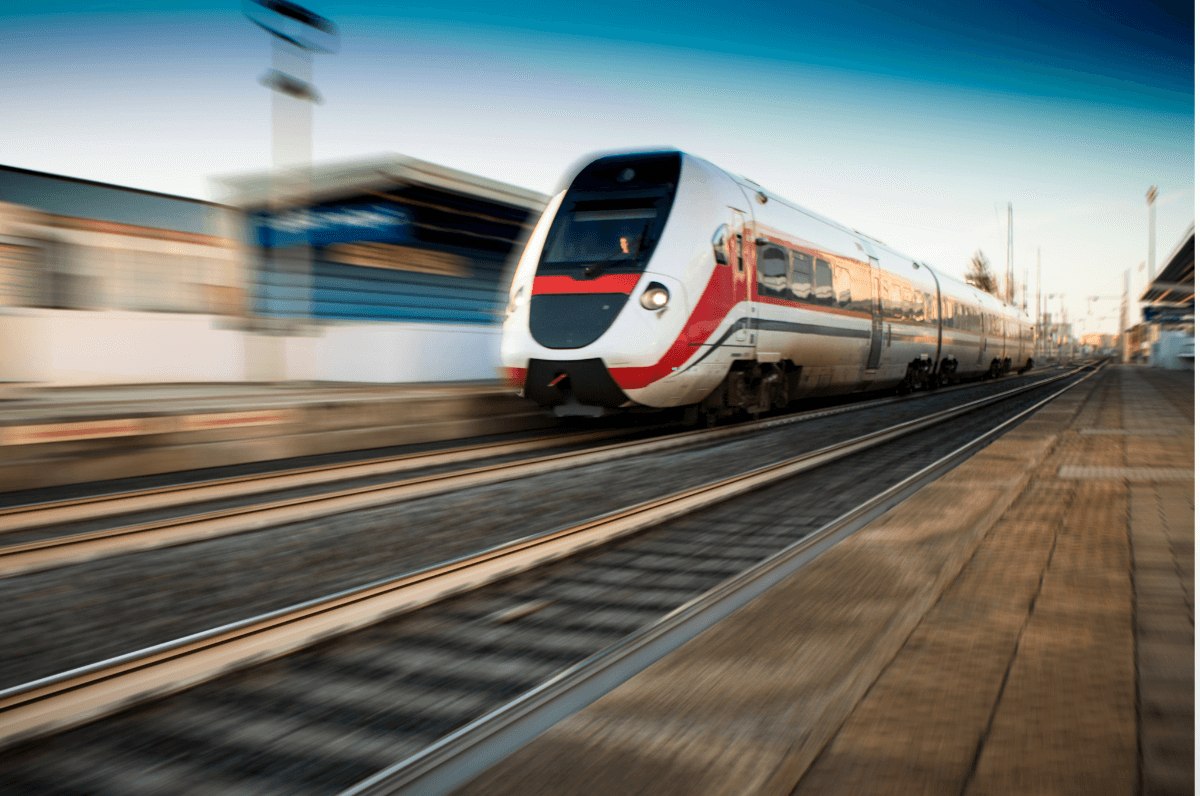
x: 296, y: 33
x: 1151, y: 195
x: 1061, y: 327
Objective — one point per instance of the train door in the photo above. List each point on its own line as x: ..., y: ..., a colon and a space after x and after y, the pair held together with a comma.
x: 981, y: 324
x: 876, y: 317
x: 743, y: 277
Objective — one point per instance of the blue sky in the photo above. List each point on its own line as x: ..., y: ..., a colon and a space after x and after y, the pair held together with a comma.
x: 914, y: 122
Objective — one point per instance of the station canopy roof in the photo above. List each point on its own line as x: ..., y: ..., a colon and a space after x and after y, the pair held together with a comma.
x: 336, y: 180
x: 1175, y: 284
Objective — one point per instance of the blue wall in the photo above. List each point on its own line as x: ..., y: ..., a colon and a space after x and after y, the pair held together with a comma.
x: 481, y: 233
x: 351, y: 292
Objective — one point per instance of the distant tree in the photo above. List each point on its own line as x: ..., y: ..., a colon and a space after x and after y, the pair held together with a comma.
x: 979, y: 274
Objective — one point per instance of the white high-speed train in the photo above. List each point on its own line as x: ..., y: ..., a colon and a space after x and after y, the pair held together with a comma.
x: 658, y: 280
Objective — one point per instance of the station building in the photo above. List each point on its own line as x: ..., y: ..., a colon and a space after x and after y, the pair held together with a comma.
x: 386, y: 269
x: 101, y: 283
x: 1166, y: 338
x: 383, y: 270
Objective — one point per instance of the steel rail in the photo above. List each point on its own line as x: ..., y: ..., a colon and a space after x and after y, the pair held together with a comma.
x: 88, y: 692
x: 57, y: 512
x: 469, y: 751
x: 23, y: 557
x: 27, y: 516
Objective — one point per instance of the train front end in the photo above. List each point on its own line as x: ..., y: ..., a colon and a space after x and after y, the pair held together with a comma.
x: 599, y: 297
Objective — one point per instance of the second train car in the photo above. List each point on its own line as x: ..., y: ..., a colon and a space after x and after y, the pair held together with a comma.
x: 658, y: 280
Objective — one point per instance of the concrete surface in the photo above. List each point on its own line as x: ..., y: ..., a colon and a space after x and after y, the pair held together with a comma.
x: 56, y: 436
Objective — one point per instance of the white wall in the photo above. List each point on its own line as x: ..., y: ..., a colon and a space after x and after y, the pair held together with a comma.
x: 407, y: 352
x: 64, y: 347
x: 82, y: 347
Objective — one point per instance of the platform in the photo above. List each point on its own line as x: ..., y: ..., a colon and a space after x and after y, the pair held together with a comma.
x: 58, y: 436
x: 1023, y: 625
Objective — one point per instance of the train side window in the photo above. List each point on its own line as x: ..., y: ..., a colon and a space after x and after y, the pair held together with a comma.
x: 801, y: 281
x: 741, y: 258
x: 772, y: 269
x: 841, y: 286
x: 720, y: 244
x: 918, y: 306
x: 823, y: 283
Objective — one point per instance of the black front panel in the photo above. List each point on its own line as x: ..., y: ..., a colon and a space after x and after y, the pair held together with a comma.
x: 572, y: 320
x: 586, y: 380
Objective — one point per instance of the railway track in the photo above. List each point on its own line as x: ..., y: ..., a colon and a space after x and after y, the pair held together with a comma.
x: 94, y: 507
x: 713, y: 554
x: 58, y: 533
x: 65, y: 617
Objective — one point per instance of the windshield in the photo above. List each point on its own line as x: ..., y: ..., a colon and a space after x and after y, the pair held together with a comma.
x: 612, y: 216
x: 589, y: 236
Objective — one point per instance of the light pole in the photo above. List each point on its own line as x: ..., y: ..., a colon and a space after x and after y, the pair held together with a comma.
x: 1061, y: 328
x: 1151, y: 195
x: 296, y: 33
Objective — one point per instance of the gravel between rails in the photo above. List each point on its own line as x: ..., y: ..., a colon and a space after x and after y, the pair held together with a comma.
x: 72, y: 616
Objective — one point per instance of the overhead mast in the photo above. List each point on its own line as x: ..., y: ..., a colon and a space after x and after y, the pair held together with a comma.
x: 1008, y: 278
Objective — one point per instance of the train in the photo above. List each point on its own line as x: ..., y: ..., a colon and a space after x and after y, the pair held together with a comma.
x: 656, y: 280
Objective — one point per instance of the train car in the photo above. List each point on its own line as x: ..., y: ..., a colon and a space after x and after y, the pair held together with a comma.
x: 657, y: 280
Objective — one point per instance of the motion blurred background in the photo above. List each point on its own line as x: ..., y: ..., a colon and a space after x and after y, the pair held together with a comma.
x: 159, y: 221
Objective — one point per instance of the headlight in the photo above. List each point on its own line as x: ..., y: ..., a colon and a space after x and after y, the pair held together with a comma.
x: 514, y: 301
x: 655, y: 297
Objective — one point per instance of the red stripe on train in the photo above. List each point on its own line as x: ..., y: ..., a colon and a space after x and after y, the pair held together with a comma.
x: 607, y: 283
x: 714, y: 304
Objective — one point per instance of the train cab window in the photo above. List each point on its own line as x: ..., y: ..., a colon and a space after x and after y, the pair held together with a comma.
x: 823, y: 283
x: 588, y: 235
x: 772, y: 269
x: 800, y: 283
x: 612, y: 216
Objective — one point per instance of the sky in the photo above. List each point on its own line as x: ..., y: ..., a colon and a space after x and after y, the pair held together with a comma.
x: 916, y: 122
